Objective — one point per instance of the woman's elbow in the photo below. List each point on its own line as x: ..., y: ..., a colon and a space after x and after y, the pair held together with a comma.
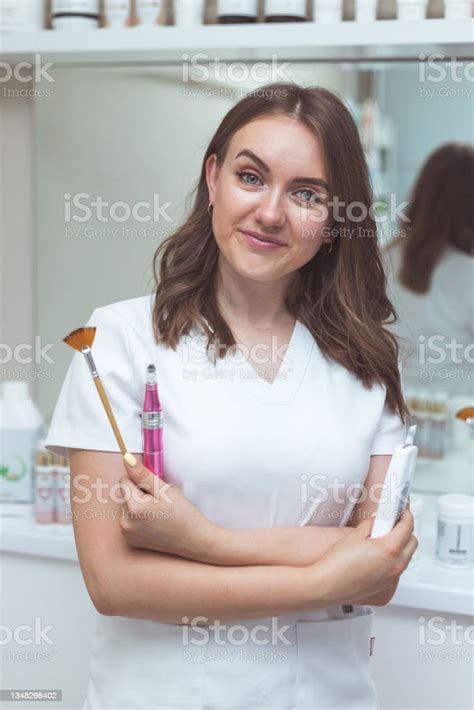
x: 101, y: 593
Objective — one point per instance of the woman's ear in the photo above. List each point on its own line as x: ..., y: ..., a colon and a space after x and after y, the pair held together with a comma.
x: 212, y: 172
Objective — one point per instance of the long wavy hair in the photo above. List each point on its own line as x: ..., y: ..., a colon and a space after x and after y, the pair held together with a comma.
x: 339, y: 296
x: 440, y: 213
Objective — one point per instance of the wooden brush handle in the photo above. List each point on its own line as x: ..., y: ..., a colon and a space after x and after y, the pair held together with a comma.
x: 110, y: 414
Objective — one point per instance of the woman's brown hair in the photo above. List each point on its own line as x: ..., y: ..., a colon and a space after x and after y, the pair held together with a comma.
x: 440, y: 214
x: 339, y: 296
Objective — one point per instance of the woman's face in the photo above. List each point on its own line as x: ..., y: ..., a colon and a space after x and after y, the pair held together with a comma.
x: 272, y: 183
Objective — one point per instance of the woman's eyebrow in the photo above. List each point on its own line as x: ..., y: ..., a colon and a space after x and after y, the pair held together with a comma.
x: 319, y: 182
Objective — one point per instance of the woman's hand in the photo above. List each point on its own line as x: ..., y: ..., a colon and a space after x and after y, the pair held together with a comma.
x: 360, y: 568
x: 157, y: 516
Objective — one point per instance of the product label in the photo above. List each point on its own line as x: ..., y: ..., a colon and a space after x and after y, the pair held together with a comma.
x: 286, y: 7
x: 455, y: 543
x: 16, y: 465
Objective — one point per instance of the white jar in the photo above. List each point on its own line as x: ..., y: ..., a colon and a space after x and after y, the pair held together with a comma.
x: 188, y: 13
x: 116, y: 13
x: 285, y: 8
x: 245, y: 10
x: 412, y: 10
x: 458, y: 9
x: 326, y: 11
x: 366, y: 10
x: 75, y: 14
x: 22, y: 15
x: 455, y: 542
x: 148, y: 12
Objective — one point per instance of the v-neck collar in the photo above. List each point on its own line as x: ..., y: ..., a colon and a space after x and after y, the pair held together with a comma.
x: 290, y: 375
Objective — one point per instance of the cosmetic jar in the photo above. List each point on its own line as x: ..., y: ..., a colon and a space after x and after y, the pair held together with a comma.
x: 116, y: 13
x: 75, y: 14
x: 237, y: 11
x: 285, y: 10
x: 148, y: 12
x: 457, y: 9
x: 366, y: 10
x: 188, y: 12
x: 454, y: 546
x: 327, y: 11
x: 412, y: 10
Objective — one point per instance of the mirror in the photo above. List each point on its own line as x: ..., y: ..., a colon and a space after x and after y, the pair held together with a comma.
x: 119, y: 150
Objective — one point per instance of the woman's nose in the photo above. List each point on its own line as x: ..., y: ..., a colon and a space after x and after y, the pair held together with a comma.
x: 270, y: 211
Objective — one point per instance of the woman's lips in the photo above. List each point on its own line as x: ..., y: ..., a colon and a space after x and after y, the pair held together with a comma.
x: 253, y: 241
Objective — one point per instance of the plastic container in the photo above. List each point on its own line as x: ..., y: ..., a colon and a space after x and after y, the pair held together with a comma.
x: 285, y: 11
x: 237, y: 11
x: 34, y: 15
x: 458, y: 9
x: 366, y: 10
x: 117, y: 13
x: 412, y: 10
x: 21, y: 427
x: 148, y: 12
x: 328, y: 11
x: 188, y: 12
x: 455, y: 541
x: 71, y: 15
x: 22, y: 15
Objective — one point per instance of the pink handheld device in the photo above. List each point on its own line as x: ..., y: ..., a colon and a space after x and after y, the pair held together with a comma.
x: 152, y: 425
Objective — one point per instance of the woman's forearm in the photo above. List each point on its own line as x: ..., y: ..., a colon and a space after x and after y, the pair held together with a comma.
x: 147, y: 585
x: 293, y: 546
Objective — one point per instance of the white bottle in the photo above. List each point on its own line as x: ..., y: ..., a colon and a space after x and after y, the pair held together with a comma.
x: 412, y: 10
x: 455, y: 543
x: 75, y: 14
x: 327, y: 11
x: 366, y: 10
x: 293, y: 9
x: 148, y: 12
x: 188, y: 12
x: 21, y: 15
x: 116, y: 13
x: 21, y: 426
x: 458, y: 9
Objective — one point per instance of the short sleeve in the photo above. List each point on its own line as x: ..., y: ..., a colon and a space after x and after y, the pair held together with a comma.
x: 391, y: 431
x: 79, y: 419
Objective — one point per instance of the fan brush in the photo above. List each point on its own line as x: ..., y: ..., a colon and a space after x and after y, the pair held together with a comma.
x: 81, y: 340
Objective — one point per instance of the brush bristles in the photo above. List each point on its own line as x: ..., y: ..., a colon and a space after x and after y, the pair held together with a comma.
x: 465, y: 413
x: 80, y: 337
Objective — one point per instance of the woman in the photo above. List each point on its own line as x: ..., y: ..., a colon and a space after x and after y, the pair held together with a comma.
x: 431, y: 273
x: 267, y: 443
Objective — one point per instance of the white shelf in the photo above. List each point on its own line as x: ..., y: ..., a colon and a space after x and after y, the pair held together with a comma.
x: 309, y: 41
x: 424, y: 586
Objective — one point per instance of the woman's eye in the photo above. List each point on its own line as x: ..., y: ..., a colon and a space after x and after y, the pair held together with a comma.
x: 309, y: 196
x: 249, y: 178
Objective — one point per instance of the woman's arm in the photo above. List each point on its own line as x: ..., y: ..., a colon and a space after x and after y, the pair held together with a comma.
x: 126, y: 581
x: 178, y: 528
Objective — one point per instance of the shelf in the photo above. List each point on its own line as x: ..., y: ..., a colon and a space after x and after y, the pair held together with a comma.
x: 344, y: 41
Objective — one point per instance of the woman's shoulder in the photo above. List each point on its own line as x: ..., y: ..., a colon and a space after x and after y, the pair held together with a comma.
x: 133, y: 312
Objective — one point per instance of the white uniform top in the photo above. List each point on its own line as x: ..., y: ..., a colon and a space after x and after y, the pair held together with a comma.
x: 248, y: 453
x: 429, y: 322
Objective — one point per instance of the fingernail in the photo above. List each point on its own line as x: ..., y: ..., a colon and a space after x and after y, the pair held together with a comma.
x: 130, y: 459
